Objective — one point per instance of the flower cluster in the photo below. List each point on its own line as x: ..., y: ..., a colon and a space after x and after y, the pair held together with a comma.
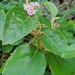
x: 31, y: 8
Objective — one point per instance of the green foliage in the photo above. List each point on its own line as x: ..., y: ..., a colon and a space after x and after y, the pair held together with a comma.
x: 7, y: 48
x: 18, y: 25
x: 61, y: 66
x: 68, y: 12
x: 51, y: 8
x: 45, y: 21
x: 53, y: 41
x: 47, y: 73
x: 27, y: 61
x: 2, y: 15
x: 8, y: 4
x: 39, y: 44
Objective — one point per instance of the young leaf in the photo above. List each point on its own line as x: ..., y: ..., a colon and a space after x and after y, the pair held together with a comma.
x: 61, y: 66
x: 17, y: 25
x: 25, y: 60
x: 51, y: 8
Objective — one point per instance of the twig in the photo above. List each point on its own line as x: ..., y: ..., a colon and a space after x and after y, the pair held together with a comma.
x: 2, y: 58
x: 27, y: 2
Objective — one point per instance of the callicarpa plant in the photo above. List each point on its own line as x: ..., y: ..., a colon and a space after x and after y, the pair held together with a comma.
x: 50, y: 50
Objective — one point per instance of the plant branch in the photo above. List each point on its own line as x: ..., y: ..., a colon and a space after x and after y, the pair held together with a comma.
x: 26, y: 1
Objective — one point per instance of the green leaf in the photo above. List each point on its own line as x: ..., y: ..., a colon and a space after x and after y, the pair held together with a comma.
x: 1, y: 5
x: 39, y: 1
x: 68, y: 12
x: 53, y: 41
x: 61, y: 66
x: 2, y: 15
x: 1, y: 69
x: 25, y: 60
x: 64, y: 24
x: 69, y: 52
x: 7, y: 48
x: 45, y: 21
x: 0, y: 43
x: 51, y: 8
x: 71, y: 41
x: 18, y: 42
x: 67, y: 34
x: 39, y: 11
x: 17, y: 25
x: 47, y: 73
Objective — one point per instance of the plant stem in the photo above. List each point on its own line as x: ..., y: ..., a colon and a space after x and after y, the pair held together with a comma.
x: 26, y: 1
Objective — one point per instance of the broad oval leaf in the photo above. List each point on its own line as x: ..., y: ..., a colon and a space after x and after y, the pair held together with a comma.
x: 61, y: 66
x: 17, y: 25
x: 51, y: 8
x: 25, y: 60
x: 53, y: 41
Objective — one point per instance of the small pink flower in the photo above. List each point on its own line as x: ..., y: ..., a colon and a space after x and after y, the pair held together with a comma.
x: 32, y: 4
x: 31, y: 12
x: 36, y: 4
x: 31, y: 8
x: 26, y: 7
